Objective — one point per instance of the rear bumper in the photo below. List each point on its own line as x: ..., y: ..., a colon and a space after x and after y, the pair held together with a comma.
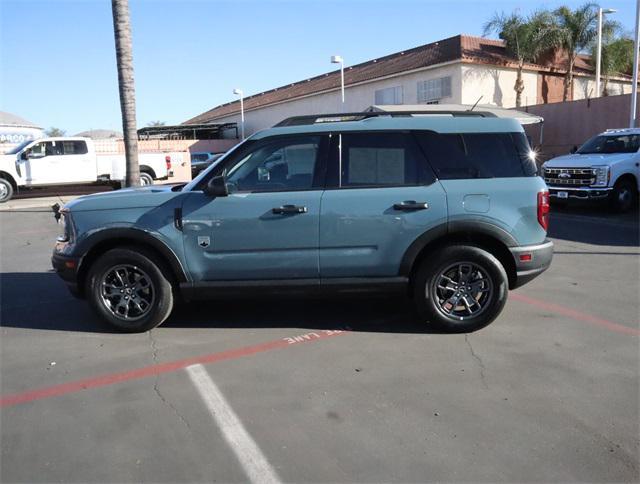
x: 67, y: 268
x: 580, y: 193
x: 531, y: 261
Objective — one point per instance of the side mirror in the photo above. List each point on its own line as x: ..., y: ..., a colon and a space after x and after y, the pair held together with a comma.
x: 24, y: 155
x: 217, y: 187
x: 573, y: 150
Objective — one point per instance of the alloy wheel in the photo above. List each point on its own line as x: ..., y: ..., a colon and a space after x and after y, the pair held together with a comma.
x: 463, y: 290
x: 127, y: 292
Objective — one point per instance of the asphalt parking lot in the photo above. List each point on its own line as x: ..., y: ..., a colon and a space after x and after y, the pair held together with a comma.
x: 327, y: 390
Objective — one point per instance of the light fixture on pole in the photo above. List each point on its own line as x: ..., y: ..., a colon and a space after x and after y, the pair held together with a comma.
x: 634, y: 85
x: 238, y: 92
x: 601, y: 13
x: 336, y: 59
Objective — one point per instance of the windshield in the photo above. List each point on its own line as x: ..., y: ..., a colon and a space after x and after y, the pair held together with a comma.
x: 628, y: 143
x: 19, y: 148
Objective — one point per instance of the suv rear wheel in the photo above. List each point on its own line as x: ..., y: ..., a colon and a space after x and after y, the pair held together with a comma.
x: 128, y: 289
x: 460, y: 289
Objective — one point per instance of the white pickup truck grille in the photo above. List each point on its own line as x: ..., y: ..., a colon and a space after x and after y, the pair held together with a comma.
x: 569, y: 176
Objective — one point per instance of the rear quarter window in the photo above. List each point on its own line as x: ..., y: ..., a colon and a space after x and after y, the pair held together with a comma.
x: 477, y: 155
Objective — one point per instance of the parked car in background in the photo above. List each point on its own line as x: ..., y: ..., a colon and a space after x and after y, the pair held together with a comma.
x: 606, y: 168
x: 448, y: 210
x: 73, y: 160
x: 201, y: 163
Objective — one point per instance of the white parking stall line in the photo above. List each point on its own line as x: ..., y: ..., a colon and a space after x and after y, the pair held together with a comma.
x: 251, y: 458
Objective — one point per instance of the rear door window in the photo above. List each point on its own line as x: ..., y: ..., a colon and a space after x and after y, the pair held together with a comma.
x: 375, y: 159
x: 74, y: 147
x: 477, y: 155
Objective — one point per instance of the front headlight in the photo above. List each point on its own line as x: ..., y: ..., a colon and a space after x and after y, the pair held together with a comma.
x: 64, y: 226
x: 601, y: 176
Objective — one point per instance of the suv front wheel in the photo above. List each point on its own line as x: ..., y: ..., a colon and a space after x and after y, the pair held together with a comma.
x: 460, y: 289
x: 128, y: 289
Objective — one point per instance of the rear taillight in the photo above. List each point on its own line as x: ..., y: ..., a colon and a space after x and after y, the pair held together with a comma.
x: 167, y: 160
x: 543, y: 209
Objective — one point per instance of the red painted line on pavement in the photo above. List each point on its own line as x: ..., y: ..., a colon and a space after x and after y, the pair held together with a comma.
x: 147, y: 371
x: 577, y: 315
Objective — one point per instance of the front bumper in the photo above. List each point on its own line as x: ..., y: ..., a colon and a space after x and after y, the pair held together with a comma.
x: 531, y: 261
x: 67, y: 268
x: 585, y: 193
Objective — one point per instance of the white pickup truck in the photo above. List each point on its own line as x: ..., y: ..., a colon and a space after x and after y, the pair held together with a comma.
x: 60, y: 161
x: 606, y: 167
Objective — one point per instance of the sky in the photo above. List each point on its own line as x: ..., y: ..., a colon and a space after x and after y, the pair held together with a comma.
x: 58, y: 66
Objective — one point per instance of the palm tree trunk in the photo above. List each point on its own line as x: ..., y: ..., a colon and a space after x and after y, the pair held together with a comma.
x: 568, y: 79
x: 124, y: 58
x: 519, y: 85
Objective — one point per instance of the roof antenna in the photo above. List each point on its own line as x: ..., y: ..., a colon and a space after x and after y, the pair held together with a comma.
x: 473, y: 107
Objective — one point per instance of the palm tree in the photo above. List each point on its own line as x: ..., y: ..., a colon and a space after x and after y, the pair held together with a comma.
x: 577, y: 29
x: 124, y: 58
x: 526, y: 39
x: 616, y: 58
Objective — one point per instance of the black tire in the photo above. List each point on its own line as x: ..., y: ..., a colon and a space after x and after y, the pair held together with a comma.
x: 145, y: 179
x: 624, y: 196
x: 431, y: 301
x: 6, y: 190
x: 154, y: 304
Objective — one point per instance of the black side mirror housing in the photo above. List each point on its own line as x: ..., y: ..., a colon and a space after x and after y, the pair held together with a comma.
x: 217, y: 187
x: 24, y: 155
x: 573, y: 150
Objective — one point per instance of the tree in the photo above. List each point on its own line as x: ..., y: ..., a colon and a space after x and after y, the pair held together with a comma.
x: 53, y: 131
x: 526, y: 39
x: 124, y: 59
x: 616, y: 58
x: 577, y: 30
x: 156, y: 123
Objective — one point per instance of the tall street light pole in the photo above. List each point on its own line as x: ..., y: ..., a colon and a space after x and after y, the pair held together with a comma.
x: 634, y: 86
x: 239, y: 93
x: 336, y: 59
x: 601, y: 13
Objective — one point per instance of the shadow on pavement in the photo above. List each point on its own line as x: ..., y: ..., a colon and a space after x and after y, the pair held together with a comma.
x: 595, y: 225
x: 41, y: 301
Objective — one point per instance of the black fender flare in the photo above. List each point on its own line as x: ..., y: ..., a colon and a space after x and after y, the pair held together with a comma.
x: 464, y: 228
x: 135, y: 235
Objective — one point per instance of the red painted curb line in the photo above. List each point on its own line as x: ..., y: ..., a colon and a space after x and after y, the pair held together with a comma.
x: 578, y: 315
x: 112, y: 378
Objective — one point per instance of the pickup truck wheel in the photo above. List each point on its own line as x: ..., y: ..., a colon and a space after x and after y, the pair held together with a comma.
x: 624, y: 196
x: 460, y: 289
x: 129, y: 290
x: 6, y: 190
x: 145, y: 179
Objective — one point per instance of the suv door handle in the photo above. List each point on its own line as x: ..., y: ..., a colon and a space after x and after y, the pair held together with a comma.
x: 287, y: 209
x: 409, y: 205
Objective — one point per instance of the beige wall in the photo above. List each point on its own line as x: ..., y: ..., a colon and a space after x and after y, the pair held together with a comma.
x: 584, y: 87
x: 495, y: 85
x: 357, y: 98
x: 571, y: 123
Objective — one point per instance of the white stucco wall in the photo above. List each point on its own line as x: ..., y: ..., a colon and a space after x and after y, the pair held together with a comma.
x: 584, y: 87
x: 495, y: 85
x: 357, y: 98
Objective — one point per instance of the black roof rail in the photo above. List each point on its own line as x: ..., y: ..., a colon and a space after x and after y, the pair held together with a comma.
x: 359, y: 116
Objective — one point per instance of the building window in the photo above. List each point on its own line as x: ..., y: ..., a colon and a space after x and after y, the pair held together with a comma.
x: 390, y: 95
x: 434, y: 89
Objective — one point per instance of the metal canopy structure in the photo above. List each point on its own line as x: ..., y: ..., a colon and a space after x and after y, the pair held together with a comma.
x: 188, y: 131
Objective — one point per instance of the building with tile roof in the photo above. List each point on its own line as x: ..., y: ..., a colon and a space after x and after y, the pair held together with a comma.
x: 458, y: 70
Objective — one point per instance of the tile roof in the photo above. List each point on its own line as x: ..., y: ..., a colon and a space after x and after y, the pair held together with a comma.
x: 463, y: 48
